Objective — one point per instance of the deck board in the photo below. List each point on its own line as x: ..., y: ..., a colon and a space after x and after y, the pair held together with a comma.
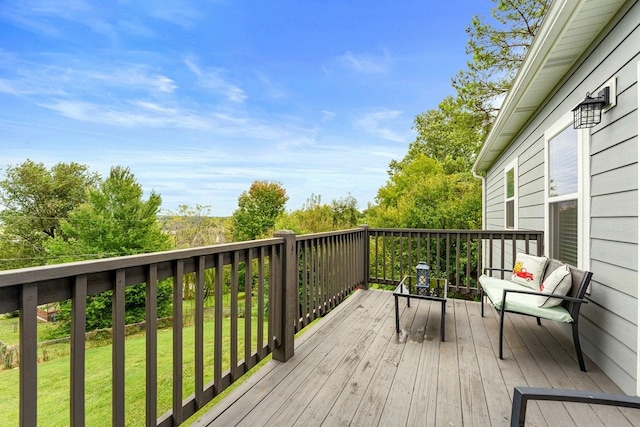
x: 351, y: 368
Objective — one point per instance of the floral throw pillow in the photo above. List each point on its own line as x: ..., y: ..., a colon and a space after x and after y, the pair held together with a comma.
x: 528, y: 270
x: 558, y: 283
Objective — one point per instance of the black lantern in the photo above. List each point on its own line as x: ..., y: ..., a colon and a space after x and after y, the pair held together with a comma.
x: 422, y: 278
x: 589, y: 112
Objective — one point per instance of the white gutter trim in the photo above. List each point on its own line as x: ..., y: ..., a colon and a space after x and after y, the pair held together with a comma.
x: 560, y: 11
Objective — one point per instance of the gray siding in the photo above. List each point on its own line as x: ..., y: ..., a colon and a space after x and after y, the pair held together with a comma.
x: 609, y: 323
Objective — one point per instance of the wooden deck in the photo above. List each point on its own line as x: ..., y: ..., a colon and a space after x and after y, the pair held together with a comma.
x: 351, y: 368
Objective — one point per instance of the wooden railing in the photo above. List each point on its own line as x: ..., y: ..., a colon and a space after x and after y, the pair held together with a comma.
x: 257, y: 293
x: 268, y: 289
x: 457, y: 255
x: 331, y: 266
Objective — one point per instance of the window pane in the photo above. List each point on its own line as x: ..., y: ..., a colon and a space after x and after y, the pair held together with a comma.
x: 510, y: 214
x: 510, y: 182
x: 564, y: 231
x: 563, y: 163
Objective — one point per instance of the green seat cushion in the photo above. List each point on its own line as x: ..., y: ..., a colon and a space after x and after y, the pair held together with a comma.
x: 521, y: 303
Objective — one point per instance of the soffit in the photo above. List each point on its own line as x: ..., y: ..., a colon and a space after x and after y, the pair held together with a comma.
x: 567, y: 31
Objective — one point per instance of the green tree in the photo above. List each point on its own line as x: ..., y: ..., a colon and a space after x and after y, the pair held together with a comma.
x: 313, y: 217
x: 345, y: 212
x: 192, y: 227
x: 497, y: 50
x: 258, y: 210
x: 35, y: 200
x: 317, y: 217
x: 451, y: 134
x: 114, y: 221
x: 419, y: 194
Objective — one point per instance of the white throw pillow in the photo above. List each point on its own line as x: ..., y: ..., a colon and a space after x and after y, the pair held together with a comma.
x: 528, y: 270
x: 558, y: 283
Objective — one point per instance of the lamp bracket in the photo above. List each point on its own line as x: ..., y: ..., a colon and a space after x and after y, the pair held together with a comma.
x: 603, y: 96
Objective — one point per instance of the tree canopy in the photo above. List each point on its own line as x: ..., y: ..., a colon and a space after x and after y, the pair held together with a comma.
x: 421, y: 195
x: 114, y: 221
x: 451, y: 134
x: 497, y: 50
x: 258, y: 209
x: 316, y: 217
x: 432, y: 185
x: 36, y: 200
x: 192, y: 227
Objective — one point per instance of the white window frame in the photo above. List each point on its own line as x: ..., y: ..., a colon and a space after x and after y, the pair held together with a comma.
x: 513, y: 165
x: 583, y: 194
x: 638, y: 327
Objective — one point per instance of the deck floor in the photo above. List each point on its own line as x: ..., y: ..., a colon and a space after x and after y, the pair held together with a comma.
x: 351, y: 368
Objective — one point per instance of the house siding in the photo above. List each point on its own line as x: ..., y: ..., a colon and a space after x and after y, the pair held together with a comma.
x: 609, y: 323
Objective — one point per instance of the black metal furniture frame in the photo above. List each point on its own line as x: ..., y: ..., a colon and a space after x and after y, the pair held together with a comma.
x: 403, y: 291
x: 572, y: 302
x: 522, y: 395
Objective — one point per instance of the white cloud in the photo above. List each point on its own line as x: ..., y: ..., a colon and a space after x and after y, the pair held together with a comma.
x: 211, y: 78
x: 133, y: 114
x: 379, y: 123
x: 179, y: 13
x: 135, y: 77
x: 29, y: 77
x: 327, y: 115
x: 272, y: 90
x: 366, y: 63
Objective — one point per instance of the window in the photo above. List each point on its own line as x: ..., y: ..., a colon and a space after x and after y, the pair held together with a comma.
x: 564, y: 187
x: 563, y: 196
x: 510, y: 199
x: 563, y: 230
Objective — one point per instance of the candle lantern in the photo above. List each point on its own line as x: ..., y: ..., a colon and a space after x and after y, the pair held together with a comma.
x: 422, y: 278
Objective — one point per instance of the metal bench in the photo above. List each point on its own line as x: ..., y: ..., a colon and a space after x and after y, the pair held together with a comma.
x: 569, y: 309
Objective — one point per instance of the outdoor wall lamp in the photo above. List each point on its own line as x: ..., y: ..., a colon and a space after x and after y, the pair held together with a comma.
x: 589, y: 112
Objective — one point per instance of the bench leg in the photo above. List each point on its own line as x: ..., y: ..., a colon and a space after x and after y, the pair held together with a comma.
x: 501, y: 329
x: 397, y: 315
x: 576, y: 343
x: 538, y: 320
x: 442, y: 313
x: 481, y: 302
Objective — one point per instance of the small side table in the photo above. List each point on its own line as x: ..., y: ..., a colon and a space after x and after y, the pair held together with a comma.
x: 437, y: 291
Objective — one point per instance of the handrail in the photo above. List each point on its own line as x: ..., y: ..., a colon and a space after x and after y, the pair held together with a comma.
x: 279, y: 275
x: 458, y: 255
x: 288, y: 281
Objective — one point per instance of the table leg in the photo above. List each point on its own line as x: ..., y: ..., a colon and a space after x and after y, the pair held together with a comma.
x: 397, y: 315
x: 444, y: 306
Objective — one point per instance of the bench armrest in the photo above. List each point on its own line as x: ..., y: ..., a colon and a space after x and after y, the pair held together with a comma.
x: 487, y: 269
x: 521, y: 395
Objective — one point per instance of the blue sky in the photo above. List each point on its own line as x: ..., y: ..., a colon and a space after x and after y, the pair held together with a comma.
x: 202, y: 98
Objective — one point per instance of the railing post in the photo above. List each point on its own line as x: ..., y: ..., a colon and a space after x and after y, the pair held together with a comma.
x: 287, y: 304
x: 29, y: 355
x: 365, y: 255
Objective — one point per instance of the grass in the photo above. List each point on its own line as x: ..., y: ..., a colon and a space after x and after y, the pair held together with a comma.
x: 54, y: 371
x: 53, y: 378
x: 229, y: 389
x: 9, y: 330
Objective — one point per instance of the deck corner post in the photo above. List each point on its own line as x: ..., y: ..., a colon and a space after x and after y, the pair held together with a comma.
x: 287, y: 297
x: 365, y: 256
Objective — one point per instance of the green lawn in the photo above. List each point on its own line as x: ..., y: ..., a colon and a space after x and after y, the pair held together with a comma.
x: 53, y: 378
x: 9, y: 333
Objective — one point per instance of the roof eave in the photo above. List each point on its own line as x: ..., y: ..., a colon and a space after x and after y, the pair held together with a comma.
x: 544, y: 66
